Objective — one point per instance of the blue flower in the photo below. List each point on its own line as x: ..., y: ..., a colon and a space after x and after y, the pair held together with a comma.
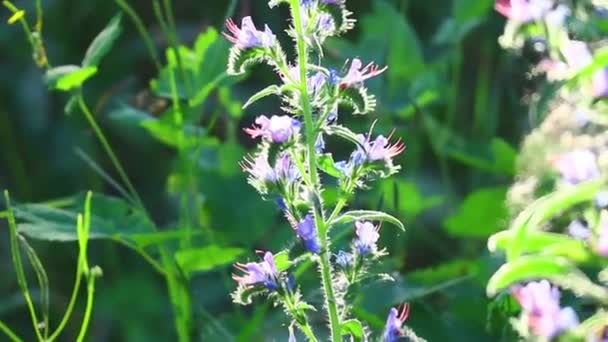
x: 334, y: 77
x: 276, y: 129
x: 307, y: 231
x: 248, y: 36
x: 344, y: 259
x: 367, y: 236
x: 281, y: 203
x: 358, y: 73
x: 286, y: 170
x: 579, y: 230
x: 320, y: 144
x: 394, y: 321
x: 577, y: 166
x: 601, y: 199
x: 541, y: 311
x: 259, y: 273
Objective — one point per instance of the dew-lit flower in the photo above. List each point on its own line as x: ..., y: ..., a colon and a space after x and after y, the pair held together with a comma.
x: 358, y: 73
x: 248, y: 36
x: 541, y: 311
x: 344, y: 259
x: 396, y: 318
x: 259, y: 169
x: 259, y: 273
x: 367, y: 236
x: 276, y: 129
x: 379, y: 149
x: 577, y: 166
x: 307, y: 231
x: 523, y: 11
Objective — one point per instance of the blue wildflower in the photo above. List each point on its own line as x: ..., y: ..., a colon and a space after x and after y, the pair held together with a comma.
x: 291, y: 282
x: 307, y: 231
x: 334, y: 77
x: 320, y: 144
x: 541, y: 310
x: 601, y: 200
x: 281, y: 203
x: 344, y: 259
x: 367, y: 236
x: 286, y: 170
x: 248, y: 36
x: 259, y: 273
x: 276, y: 129
x: 579, y: 230
x: 394, y: 321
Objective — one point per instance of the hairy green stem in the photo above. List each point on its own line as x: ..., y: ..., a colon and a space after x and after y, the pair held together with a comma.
x: 311, y: 137
x: 9, y: 333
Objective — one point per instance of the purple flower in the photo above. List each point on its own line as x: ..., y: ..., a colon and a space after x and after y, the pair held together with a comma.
x: 579, y: 230
x: 248, y: 36
x: 396, y: 318
x: 601, y: 199
x: 259, y: 168
x: 333, y: 2
x: 346, y: 167
x: 541, y: 311
x: 367, y: 236
x: 320, y: 144
x: 316, y: 83
x: 344, y: 259
x: 325, y: 23
x: 600, y: 84
x: 602, y: 240
x: 259, y: 273
x: 379, y: 149
x: 523, y: 11
x: 577, y: 166
x: 286, y: 170
x: 281, y: 203
x: 307, y: 231
x: 277, y: 129
x: 358, y: 73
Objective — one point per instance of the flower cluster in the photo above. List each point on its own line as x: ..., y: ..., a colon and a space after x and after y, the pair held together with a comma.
x: 560, y: 199
x: 290, y: 165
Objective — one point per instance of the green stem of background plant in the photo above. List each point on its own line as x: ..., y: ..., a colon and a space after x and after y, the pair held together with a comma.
x: 311, y: 135
x: 89, y: 307
x: 9, y: 333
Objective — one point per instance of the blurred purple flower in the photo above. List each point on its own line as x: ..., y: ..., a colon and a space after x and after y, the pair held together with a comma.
x: 248, y: 36
x: 367, y: 236
x: 601, y: 199
x: 541, y: 311
x: 379, y: 149
x: 286, y: 170
x: 276, y: 129
x: 396, y: 318
x: 307, y: 231
x: 579, y: 230
x: 358, y: 73
x: 344, y: 259
x: 258, y: 273
x: 600, y: 83
x: 523, y: 11
x: 602, y: 239
x: 577, y: 166
x: 578, y: 56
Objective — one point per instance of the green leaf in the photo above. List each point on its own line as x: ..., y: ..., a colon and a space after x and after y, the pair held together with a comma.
x: 403, y: 197
x: 165, y: 131
x: 529, y: 268
x: 102, y: 44
x: 270, y: 90
x: 326, y: 164
x: 543, y: 243
x: 282, y: 262
x: 68, y: 77
x: 367, y: 215
x: 205, y: 259
x: 481, y: 214
x: 353, y: 328
x: 111, y: 218
x: 358, y: 99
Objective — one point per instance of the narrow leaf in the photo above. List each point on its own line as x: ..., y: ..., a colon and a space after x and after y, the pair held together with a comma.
x: 367, y: 215
x: 102, y: 44
x: 327, y: 164
x: 354, y: 328
x: 270, y: 90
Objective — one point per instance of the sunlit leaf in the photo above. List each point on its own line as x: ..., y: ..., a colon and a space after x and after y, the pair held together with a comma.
x: 102, y: 44
x: 482, y: 213
x: 206, y: 258
x: 367, y: 215
x: 353, y: 328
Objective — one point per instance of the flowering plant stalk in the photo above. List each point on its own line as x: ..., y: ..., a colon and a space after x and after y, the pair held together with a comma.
x: 559, y: 200
x: 291, y: 166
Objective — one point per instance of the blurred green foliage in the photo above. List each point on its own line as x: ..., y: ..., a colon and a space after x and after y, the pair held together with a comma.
x: 450, y: 92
